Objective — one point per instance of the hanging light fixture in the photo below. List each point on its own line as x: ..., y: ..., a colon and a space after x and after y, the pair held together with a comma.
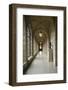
x: 40, y: 34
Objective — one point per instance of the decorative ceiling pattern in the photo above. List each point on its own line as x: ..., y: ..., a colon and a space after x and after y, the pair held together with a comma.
x: 40, y: 24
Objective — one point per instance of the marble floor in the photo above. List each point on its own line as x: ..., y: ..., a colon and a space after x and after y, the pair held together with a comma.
x: 40, y: 65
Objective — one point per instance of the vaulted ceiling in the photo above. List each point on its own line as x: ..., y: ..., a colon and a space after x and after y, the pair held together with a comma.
x: 40, y: 24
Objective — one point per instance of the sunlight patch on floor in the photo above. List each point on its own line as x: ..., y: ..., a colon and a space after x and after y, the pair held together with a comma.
x: 41, y: 65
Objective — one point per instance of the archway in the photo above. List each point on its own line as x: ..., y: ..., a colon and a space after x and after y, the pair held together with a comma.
x: 42, y: 39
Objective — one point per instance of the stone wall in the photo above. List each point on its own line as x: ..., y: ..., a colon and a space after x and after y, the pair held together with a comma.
x: 30, y: 46
x: 35, y: 46
x: 53, y: 41
x: 24, y: 42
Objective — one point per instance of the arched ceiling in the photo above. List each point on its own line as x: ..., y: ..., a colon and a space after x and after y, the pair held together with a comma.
x: 40, y: 24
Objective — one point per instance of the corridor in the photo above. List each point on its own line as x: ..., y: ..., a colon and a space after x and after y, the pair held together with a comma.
x: 41, y: 65
x: 39, y: 44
